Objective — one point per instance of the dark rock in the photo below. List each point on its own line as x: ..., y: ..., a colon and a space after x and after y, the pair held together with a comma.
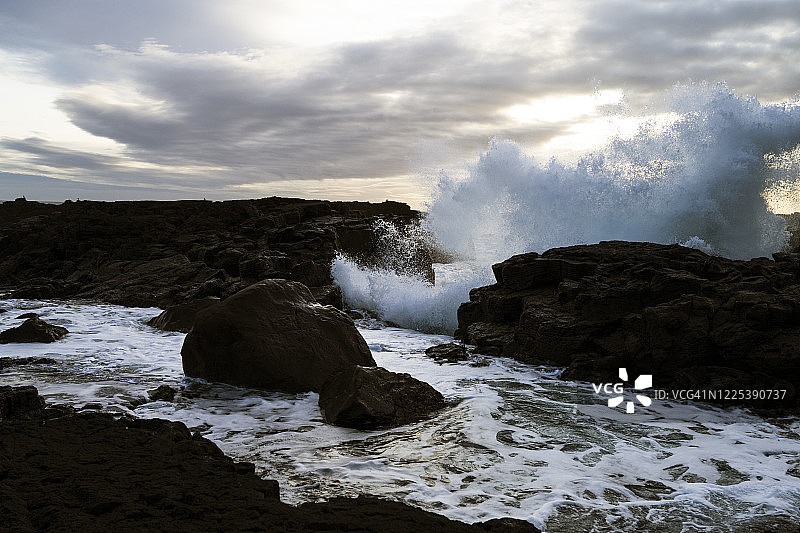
x: 449, y: 352
x: 162, y: 393
x: 691, y: 320
x: 274, y: 336
x: 33, y: 330
x: 355, y: 314
x: 372, y: 397
x: 19, y: 402
x: 181, y: 317
x: 7, y: 362
x: 90, y: 472
x: 159, y: 254
x: 328, y: 295
x: 28, y: 315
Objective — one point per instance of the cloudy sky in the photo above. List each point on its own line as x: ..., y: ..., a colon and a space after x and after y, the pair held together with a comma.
x: 345, y: 99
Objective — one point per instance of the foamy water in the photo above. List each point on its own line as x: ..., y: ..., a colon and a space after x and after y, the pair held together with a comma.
x: 517, y: 441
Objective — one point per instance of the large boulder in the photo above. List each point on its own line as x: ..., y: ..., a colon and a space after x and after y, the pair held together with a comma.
x: 373, y: 397
x: 33, y: 330
x: 666, y: 310
x: 19, y: 402
x: 273, y: 335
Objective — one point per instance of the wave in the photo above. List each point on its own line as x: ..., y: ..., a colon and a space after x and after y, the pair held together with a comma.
x: 697, y: 174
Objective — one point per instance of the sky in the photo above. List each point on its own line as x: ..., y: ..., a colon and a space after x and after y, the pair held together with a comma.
x: 156, y: 99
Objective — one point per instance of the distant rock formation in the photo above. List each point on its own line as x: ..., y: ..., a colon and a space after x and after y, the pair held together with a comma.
x: 691, y: 320
x: 159, y: 254
x: 273, y: 335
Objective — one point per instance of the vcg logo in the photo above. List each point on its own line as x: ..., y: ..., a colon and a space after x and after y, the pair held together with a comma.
x: 644, y: 381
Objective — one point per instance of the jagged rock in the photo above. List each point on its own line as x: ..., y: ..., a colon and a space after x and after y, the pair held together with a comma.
x: 19, y: 402
x: 33, y: 330
x: 372, y: 397
x: 691, y: 320
x: 449, y: 352
x: 181, y: 317
x: 273, y: 335
x: 7, y: 362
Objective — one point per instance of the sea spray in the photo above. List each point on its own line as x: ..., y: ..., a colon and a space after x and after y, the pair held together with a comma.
x: 695, y: 174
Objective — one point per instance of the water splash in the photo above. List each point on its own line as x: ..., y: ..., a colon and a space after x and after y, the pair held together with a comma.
x: 696, y: 174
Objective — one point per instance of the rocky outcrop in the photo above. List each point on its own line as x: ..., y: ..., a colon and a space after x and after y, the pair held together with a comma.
x: 373, y: 397
x: 273, y: 335
x: 33, y: 330
x: 91, y: 472
x: 689, y: 319
x: 157, y: 254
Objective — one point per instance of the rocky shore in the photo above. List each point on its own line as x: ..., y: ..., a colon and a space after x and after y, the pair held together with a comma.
x: 145, y: 254
x: 692, y: 321
x: 62, y: 470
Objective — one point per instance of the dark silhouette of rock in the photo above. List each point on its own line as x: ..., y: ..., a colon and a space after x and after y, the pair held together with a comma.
x: 328, y: 295
x: 90, y: 472
x: 450, y: 352
x: 158, y: 254
x: 33, y: 330
x: 689, y: 319
x: 372, y: 397
x: 28, y: 315
x: 162, y: 393
x: 273, y: 335
x: 19, y: 402
x: 181, y: 317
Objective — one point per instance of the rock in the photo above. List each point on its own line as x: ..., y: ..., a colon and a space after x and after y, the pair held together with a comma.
x: 691, y: 320
x: 7, y: 362
x: 33, y: 330
x: 159, y: 254
x: 373, y: 397
x: 181, y: 317
x: 19, y: 402
x: 90, y: 472
x: 28, y: 315
x: 328, y: 295
x: 449, y: 352
x: 162, y: 393
x: 274, y: 336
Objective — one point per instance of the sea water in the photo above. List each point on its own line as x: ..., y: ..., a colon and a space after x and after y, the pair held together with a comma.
x: 515, y: 441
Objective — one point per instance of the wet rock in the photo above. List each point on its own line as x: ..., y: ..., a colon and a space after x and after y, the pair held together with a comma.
x: 28, y: 315
x: 8, y: 362
x: 449, y: 352
x: 372, y: 397
x: 691, y: 320
x: 650, y: 490
x: 33, y: 330
x: 19, y: 402
x: 181, y: 317
x: 163, y: 393
x: 273, y: 335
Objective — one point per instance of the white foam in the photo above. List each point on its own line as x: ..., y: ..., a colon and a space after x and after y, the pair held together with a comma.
x: 519, y: 443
